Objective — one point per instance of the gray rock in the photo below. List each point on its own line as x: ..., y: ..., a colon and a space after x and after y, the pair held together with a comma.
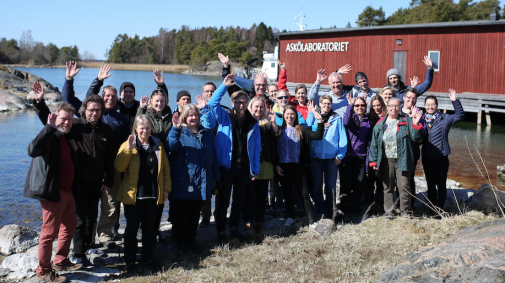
x: 487, y: 199
x: 22, y: 265
x: 15, y: 239
x: 500, y: 174
x: 4, y: 271
x: 325, y: 227
x: 473, y: 254
x: 11, y: 102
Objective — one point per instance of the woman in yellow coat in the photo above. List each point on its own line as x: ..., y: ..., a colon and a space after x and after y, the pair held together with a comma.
x: 145, y: 185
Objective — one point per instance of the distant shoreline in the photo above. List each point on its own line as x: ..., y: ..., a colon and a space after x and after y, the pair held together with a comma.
x: 115, y: 66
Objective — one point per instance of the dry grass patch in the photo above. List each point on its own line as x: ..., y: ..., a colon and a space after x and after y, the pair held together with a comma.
x: 138, y: 67
x: 356, y: 253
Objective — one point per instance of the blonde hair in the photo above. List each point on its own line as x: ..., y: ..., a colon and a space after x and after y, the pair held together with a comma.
x: 277, y: 100
x: 263, y: 119
x: 326, y: 96
x: 140, y: 119
x: 157, y: 92
x: 386, y: 88
x: 185, y: 113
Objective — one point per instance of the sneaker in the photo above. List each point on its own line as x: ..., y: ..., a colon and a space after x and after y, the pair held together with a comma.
x: 153, y: 265
x: 205, y: 222
x: 83, y: 261
x: 235, y: 233
x: 95, y: 252
x: 312, y: 227
x: 109, y: 245
x: 52, y: 276
x: 289, y: 222
x: 67, y: 266
x: 132, y: 268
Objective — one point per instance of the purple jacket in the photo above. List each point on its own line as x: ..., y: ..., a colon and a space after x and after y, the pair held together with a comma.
x: 359, y: 136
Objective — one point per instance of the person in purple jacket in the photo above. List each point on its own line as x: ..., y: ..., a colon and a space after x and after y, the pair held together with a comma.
x: 359, y: 134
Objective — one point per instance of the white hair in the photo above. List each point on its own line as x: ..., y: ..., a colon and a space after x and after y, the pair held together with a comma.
x: 334, y: 74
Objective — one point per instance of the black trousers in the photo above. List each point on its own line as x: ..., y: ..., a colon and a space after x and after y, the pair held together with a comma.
x: 293, y: 177
x: 143, y: 211
x: 185, y: 218
x: 255, y: 204
x: 352, y: 177
x: 435, y: 171
x: 86, y: 207
x: 235, y: 179
x: 374, y: 189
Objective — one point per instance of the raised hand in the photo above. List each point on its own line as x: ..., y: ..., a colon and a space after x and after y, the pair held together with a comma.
x: 201, y: 102
x: 176, y: 122
x: 413, y: 111
x: 262, y: 74
x: 130, y: 143
x: 452, y: 94
x: 365, y: 96
x: 418, y: 114
x: 104, y: 72
x: 312, y: 109
x: 224, y: 59
x: 158, y: 77
x: 345, y: 69
x: 281, y: 65
x: 350, y: 100
x: 229, y: 80
x: 51, y: 120
x: 271, y: 118
x: 144, y: 101
x: 38, y: 91
x: 321, y: 76
x: 427, y: 62
x: 71, y: 70
x: 414, y: 81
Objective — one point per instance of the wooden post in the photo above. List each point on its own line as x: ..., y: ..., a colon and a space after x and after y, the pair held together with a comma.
x: 488, y: 116
x: 479, y: 117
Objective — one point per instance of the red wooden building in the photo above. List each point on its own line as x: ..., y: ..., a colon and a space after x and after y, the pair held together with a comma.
x: 468, y: 56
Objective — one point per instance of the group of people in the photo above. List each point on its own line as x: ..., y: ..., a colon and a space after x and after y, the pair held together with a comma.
x: 270, y: 148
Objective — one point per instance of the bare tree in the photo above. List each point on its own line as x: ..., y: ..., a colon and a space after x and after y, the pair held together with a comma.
x: 87, y: 56
x: 162, y: 36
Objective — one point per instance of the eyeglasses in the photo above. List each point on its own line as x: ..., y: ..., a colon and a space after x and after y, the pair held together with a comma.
x: 240, y: 102
x: 431, y: 105
x: 94, y: 110
x: 329, y: 103
x: 359, y: 105
x: 394, y: 106
x: 207, y: 91
x: 282, y: 97
x: 263, y: 85
x: 409, y: 98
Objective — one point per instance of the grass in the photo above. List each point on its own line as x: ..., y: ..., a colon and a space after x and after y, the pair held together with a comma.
x: 356, y: 253
x: 138, y: 67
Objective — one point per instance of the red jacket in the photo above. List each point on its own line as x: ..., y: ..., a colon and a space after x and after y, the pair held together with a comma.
x: 283, y: 78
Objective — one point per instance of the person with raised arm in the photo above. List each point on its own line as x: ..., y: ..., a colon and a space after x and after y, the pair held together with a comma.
x: 145, y: 187
x: 238, y: 151
x: 257, y: 190
x: 293, y: 151
x: 325, y: 157
x: 394, y: 79
x: 95, y: 146
x: 108, y: 223
x: 392, y: 157
x: 436, y: 148
x: 339, y: 100
x: 354, y: 166
x: 51, y: 180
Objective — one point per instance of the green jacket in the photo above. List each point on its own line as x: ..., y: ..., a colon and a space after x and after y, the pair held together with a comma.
x: 405, y: 132
x: 161, y: 126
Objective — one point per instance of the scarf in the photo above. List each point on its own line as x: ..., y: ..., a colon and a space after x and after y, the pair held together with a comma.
x: 430, y: 118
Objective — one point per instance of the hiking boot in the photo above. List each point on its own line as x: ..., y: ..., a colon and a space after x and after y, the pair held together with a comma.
x: 259, y: 227
x: 153, y: 265
x: 235, y: 233
x: 205, y: 222
x: 222, y: 237
x: 52, y: 276
x: 83, y: 260
x: 132, y: 268
x: 94, y: 252
x: 109, y: 245
x: 195, y: 248
x: 67, y: 266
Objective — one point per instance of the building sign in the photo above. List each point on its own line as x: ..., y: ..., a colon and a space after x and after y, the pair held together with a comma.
x: 315, y: 47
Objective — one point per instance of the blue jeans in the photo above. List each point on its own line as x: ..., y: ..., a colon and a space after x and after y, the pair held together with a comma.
x: 327, y: 169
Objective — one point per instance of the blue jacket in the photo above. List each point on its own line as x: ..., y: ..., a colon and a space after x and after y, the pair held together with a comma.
x: 279, y: 120
x: 193, y: 163
x: 422, y: 88
x: 436, y: 141
x: 113, y: 118
x: 223, y: 143
x: 207, y: 118
x: 334, y: 142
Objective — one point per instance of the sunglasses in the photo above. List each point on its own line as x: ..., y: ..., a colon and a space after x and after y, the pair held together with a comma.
x: 282, y: 97
x: 359, y: 105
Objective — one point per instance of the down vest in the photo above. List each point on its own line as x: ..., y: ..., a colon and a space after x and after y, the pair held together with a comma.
x: 129, y: 161
x: 436, y: 141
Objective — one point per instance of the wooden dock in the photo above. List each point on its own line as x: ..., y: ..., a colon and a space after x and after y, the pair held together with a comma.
x: 472, y: 102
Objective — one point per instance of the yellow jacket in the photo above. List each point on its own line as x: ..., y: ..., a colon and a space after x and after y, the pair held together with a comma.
x: 128, y: 161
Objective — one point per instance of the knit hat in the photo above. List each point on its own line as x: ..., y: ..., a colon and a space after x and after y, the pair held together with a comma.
x: 393, y: 72
x: 125, y: 85
x: 360, y: 75
x: 182, y: 93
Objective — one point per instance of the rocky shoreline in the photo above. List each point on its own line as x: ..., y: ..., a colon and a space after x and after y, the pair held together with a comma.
x: 16, y: 90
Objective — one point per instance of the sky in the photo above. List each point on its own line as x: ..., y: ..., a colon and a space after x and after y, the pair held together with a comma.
x: 93, y: 25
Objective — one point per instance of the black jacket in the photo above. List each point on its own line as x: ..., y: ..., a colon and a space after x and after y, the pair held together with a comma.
x: 43, y: 179
x: 308, y: 135
x: 94, y: 146
x: 268, y: 144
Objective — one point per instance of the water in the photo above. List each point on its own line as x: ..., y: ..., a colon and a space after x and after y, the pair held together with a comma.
x: 17, y: 129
